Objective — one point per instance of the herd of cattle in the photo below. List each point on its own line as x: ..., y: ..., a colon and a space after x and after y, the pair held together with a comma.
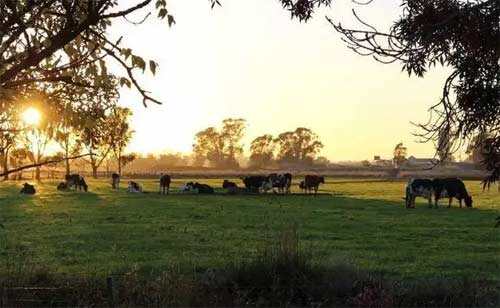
x: 281, y: 183
x: 278, y: 183
x: 275, y: 182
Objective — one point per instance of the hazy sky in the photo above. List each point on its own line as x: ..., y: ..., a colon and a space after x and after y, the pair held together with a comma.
x: 249, y: 59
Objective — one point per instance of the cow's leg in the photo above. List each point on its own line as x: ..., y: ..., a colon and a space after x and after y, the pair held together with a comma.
x: 168, y: 189
x: 436, y: 200
x: 449, y: 201
x: 460, y: 202
x: 429, y: 198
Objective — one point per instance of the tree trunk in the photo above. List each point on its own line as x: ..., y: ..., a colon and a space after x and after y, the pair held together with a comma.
x: 94, y: 171
x: 5, y: 167
x: 37, y: 174
x: 119, y: 165
x: 68, y: 171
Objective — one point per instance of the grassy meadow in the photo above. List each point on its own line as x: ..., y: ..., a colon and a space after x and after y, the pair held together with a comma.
x: 363, y: 223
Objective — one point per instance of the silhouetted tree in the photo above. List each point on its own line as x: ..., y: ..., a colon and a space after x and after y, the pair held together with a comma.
x: 399, y: 154
x: 9, y: 132
x: 120, y: 134
x: 38, y: 135
x: 17, y: 158
x: 51, y: 42
x: 262, y: 151
x: 300, y: 146
x: 220, y: 149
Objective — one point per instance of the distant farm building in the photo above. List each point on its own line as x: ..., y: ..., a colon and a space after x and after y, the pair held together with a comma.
x: 421, y: 162
x: 379, y: 162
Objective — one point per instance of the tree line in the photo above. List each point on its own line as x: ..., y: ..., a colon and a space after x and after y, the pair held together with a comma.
x: 221, y: 147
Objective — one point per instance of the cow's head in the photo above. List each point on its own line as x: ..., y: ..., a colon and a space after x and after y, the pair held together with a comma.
x: 468, y: 201
x: 322, y: 179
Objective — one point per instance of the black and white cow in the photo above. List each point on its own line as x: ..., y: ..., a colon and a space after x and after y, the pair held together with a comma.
x: 451, y: 188
x: 257, y: 183
x: 419, y: 188
x: 77, y: 181
x: 282, y: 182
x: 200, y: 188
x: 134, y: 187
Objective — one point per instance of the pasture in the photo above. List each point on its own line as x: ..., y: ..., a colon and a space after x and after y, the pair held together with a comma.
x: 363, y: 223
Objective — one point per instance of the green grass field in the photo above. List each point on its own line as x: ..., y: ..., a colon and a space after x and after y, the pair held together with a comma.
x: 363, y: 222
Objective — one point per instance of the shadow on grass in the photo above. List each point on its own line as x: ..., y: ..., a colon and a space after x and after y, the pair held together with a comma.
x: 282, y: 274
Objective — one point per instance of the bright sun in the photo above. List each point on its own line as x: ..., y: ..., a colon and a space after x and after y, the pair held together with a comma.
x: 31, y: 116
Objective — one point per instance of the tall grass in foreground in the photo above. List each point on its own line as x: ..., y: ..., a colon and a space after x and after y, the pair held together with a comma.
x: 282, y: 274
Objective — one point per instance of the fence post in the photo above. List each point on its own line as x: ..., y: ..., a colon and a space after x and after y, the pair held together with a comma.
x: 111, y: 293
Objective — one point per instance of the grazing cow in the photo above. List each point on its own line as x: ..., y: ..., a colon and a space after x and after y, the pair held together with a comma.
x: 115, y: 180
x: 311, y: 182
x: 77, y: 181
x: 282, y: 182
x: 62, y: 186
x: 418, y: 188
x: 28, y: 189
x: 200, y: 188
x: 165, y: 181
x: 255, y: 183
x: 451, y: 188
x: 134, y: 187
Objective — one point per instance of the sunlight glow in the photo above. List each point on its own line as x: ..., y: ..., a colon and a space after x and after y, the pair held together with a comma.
x: 31, y: 116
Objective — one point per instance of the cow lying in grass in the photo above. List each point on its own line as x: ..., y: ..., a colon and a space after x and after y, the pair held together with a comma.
x: 28, y: 189
x: 232, y: 188
x: 257, y: 183
x: 199, y: 188
x: 76, y: 181
x: 134, y: 187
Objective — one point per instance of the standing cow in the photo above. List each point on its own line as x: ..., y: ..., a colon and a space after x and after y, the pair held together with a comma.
x: 311, y: 183
x: 281, y: 181
x: 418, y: 188
x: 451, y: 188
x: 115, y: 180
x: 165, y: 181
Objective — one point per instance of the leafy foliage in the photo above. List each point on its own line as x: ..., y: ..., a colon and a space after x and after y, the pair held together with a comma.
x: 220, y: 149
x: 299, y: 146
